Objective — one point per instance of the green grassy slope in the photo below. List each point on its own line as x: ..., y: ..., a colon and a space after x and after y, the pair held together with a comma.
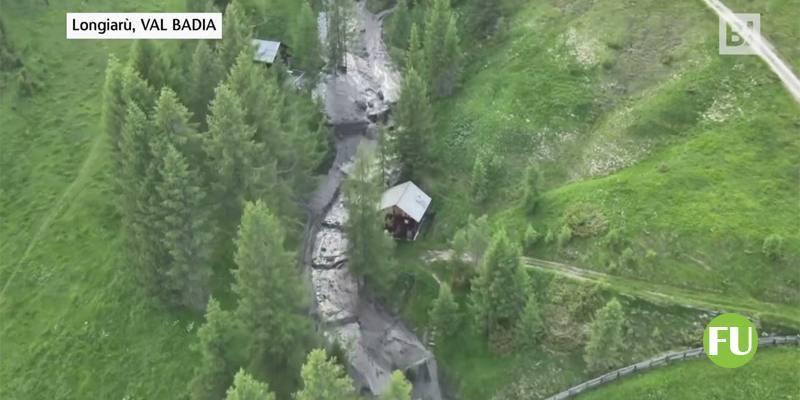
x: 633, y: 116
x: 74, y: 323
x: 772, y: 374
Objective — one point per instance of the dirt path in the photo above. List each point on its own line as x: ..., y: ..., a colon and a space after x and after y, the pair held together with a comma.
x: 66, y: 198
x: 654, y: 292
x: 760, y: 46
x: 666, y: 294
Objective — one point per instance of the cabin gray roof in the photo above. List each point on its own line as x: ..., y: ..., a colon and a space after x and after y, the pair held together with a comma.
x: 265, y: 50
x: 407, y: 197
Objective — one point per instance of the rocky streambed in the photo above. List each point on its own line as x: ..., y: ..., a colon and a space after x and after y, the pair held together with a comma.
x: 375, y: 342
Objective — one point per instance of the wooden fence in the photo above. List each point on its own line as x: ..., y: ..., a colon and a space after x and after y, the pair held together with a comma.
x: 660, y: 361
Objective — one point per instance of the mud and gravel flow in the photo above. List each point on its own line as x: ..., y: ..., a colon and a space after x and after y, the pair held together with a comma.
x: 375, y: 342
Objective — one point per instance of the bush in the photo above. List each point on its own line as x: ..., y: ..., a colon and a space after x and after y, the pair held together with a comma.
x: 773, y: 247
x: 27, y: 85
x: 628, y: 258
x: 531, y: 237
x: 564, y: 236
x: 585, y: 220
x: 615, y: 239
x: 549, y: 237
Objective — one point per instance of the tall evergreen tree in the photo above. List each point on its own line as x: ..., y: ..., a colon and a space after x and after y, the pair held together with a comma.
x: 305, y: 41
x: 114, y: 104
x: 136, y: 90
x: 132, y: 179
x: 261, y: 101
x: 605, y: 348
x: 442, y: 51
x: 186, y: 230
x: 338, y: 13
x: 370, y: 248
x: 415, y: 56
x: 173, y: 122
x: 444, y: 315
x: 123, y: 86
x: 324, y: 379
x: 245, y: 387
x: 498, y: 292
x: 237, y: 33
x: 530, y: 325
x: 205, y: 73
x: 399, y: 388
x: 399, y: 28
x: 234, y: 157
x: 212, y: 375
x: 484, y: 15
x: 272, y: 298
x: 146, y: 59
x: 414, y: 122
x: 530, y: 197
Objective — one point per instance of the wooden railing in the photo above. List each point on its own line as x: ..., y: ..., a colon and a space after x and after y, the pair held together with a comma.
x: 661, y: 360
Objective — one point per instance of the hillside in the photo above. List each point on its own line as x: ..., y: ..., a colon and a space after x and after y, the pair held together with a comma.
x: 641, y: 129
x: 70, y: 311
x: 667, y: 191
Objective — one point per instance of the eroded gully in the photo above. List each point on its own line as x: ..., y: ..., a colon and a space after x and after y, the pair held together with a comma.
x: 375, y: 342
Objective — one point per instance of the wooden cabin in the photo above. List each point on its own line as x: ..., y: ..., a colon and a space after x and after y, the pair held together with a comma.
x: 268, y: 51
x: 405, y: 207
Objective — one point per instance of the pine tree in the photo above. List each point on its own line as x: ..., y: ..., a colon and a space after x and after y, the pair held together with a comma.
x: 415, y: 56
x: 324, y: 379
x: 234, y: 157
x: 473, y: 239
x: 134, y: 164
x: 447, y: 78
x: 187, y: 234
x: 114, y: 104
x: 205, y: 73
x: 146, y: 59
x: 484, y: 15
x: 498, y: 292
x: 213, y: 373
x: 123, y: 86
x: 272, y: 298
x: 173, y: 122
x: 530, y: 325
x: 399, y: 29
x: 480, y: 180
x: 136, y: 90
x: 261, y: 101
x: 531, y: 189
x: 245, y: 387
x: 605, y: 348
x: 399, y: 388
x: 442, y: 52
x: 338, y: 33
x: 444, y: 315
x: 414, y: 121
x: 305, y: 42
x: 370, y: 248
x: 237, y: 34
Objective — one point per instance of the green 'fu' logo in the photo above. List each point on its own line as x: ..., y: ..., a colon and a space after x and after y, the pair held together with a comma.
x: 730, y: 340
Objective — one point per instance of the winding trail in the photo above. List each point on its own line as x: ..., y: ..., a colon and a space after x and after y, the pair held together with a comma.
x: 760, y: 46
x: 657, y: 293
x: 667, y: 294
